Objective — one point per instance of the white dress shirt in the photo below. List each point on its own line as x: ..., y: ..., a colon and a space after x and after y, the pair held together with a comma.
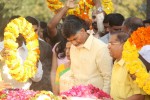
x: 145, y: 52
x: 21, y: 54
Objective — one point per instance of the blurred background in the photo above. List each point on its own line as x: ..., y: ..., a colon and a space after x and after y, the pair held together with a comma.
x: 40, y: 10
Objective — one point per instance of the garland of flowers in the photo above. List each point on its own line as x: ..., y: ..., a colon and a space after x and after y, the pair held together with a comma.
x: 84, y: 6
x: 108, y: 6
x: 18, y: 71
x: 138, y: 39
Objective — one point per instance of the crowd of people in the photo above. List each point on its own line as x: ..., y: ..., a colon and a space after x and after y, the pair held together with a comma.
x: 71, y: 54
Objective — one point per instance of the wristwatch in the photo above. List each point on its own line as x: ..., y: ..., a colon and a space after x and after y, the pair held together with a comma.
x: 99, y: 10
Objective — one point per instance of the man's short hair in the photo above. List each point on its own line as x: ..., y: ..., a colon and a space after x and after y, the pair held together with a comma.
x: 116, y: 19
x: 72, y: 24
x: 32, y: 20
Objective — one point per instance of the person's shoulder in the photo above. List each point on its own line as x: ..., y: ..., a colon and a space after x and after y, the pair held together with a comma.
x: 45, y: 47
x: 105, y: 38
x: 44, y: 43
x: 99, y: 42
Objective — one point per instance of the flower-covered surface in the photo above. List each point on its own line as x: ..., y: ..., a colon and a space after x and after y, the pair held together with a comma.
x: 86, y: 92
x: 138, y: 39
x: 20, y: 94
x: 12, y: 31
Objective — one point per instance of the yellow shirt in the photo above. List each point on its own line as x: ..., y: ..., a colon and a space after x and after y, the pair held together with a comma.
x: 122, y: 86
x: 91, y: 64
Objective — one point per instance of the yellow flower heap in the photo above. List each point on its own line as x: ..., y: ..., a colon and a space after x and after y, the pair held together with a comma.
x: 18, y: 71
x: 83, y: 6
x: 138, y: 39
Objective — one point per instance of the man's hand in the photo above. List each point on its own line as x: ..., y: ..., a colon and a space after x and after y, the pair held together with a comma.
x: 4, y: 53
x: 4, y: 85
x: 97, y: 3
x: 70, y: 4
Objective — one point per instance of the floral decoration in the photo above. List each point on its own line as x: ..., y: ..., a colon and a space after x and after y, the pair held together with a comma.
x: 16, y: 94
x: 18, y: 71
x: 138, y: 39
x: 83, y: 6
x: 21, y: 94
x: 86, y: 91
x: 45, y: 95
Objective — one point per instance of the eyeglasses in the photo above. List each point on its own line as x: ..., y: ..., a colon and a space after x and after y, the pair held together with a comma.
x: 113, y: 43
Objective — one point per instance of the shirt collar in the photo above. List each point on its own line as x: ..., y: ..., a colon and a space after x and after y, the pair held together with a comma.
x: 120, y: 62
x: 90, y: 32
x: 88, y: 42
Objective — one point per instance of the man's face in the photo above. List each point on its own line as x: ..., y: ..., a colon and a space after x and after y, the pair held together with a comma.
x: 106, y: 28
x: 20, y: 40
x: 78, y: 39
x: 115, y: 47
x: 36, y: 28
x: 114, y: 28
x: 125, y: 28
x: 94, y: 20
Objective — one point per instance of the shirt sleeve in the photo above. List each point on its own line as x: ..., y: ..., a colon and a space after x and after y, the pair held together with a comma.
x: 100, y: 18
x: 104, y: 62
x: 38, y: 76
x: 135, y: 88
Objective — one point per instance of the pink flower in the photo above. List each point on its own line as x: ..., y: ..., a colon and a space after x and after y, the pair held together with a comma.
x: 86, y: 91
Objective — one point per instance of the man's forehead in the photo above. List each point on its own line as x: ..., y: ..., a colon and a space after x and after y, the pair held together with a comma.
x: 117, y: 27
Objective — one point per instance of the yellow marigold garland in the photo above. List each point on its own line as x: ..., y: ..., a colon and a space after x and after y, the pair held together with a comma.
x: 138, y: 39
x: 18, y: 71
x: 84, y: 6
x: 108, y: 6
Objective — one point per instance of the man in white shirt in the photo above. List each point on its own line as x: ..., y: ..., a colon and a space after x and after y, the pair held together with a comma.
x: 22, y: 53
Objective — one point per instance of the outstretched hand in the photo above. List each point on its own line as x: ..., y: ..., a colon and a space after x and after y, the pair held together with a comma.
x: 4, y: 85
x: 4, y: 53
x: 71, y: 4
x: 97, y: 3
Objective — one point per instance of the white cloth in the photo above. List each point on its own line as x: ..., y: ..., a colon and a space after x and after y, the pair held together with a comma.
x: 41, y: 39
x: 105, y: 38
x: 21, y: 54
x: 100, y: 18
x: 145, y: 52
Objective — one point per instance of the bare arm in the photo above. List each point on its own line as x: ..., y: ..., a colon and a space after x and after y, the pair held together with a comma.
x: 53, y: 70
x: 56, y: 19
x: 4, y: 85
x: 136, y: 97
